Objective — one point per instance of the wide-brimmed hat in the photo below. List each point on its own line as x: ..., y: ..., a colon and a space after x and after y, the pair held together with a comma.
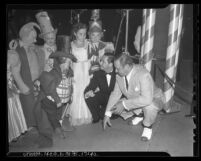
x: 27, y: 28
x: 63, y: 48
x: 45, y: 24
x: 58, y: 54
x: 95, y: 26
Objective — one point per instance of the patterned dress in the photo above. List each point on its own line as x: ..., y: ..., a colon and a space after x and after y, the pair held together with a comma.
x: 16, y: 120
x: 95, y: 52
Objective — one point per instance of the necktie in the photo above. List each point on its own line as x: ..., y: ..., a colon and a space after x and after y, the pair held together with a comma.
x: 126, y: 83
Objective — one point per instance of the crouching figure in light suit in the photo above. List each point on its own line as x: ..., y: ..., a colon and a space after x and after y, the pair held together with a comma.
x: 142, y: 98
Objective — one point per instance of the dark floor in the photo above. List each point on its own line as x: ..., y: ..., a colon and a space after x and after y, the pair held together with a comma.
x: 171, y: 133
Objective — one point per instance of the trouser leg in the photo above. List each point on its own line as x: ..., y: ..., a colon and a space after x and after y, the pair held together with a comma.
x: 44, y: 127
x: 150, y: 114
x: 94, y: 108
x: 52, y: 112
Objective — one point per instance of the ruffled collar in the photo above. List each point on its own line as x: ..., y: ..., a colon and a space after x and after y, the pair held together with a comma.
x: 50, y: 48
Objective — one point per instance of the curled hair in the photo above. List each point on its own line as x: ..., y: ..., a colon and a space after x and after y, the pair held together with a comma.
x: 76, y: 28
x: 124, y: 59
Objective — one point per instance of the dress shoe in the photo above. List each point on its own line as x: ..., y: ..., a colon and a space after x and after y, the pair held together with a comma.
x: 95, y: 121
x: 135, y: 121
x: 146, y: 135
x: 59, y: 132
x: 114, y: 117
x: 66, y: 126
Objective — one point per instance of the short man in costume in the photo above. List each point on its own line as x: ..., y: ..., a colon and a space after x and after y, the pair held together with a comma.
x: 55, y: 93
x: 141, y: 95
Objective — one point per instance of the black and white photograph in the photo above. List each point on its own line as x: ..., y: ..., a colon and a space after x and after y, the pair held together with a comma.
x: 85, y: 81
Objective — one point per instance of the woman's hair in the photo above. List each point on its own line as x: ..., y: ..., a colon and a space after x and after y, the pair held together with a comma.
x: 76, y: 28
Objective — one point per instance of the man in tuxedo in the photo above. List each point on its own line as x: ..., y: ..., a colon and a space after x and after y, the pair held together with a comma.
x: 141, y: 95
x: 101, y: 85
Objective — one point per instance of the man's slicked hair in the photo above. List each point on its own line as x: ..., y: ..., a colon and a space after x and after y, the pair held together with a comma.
x: 110, y: 57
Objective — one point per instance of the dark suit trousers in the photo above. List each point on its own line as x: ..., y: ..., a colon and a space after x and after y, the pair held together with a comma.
x: 53, y: 113
x: 97, y: 106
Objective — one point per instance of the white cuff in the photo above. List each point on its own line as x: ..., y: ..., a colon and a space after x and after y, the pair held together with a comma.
x: 125, y: 106
x: 108, y: 113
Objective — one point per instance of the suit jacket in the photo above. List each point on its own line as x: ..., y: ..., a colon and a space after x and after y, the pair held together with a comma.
x: 48, y: 84
x: 99, y: 80
x: 141, y: 90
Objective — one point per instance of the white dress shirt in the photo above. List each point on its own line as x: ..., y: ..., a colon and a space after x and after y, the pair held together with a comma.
x: 108, y: 76
x: 128, y: 78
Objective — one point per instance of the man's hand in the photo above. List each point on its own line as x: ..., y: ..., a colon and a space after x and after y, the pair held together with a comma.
x: 89, y: 94
x: 119, y: 107
x: 59, y: 104
x: 25, y: 90
x: 106, y: 121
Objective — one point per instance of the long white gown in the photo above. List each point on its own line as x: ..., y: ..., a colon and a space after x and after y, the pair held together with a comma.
x: 78, y: 110
x: 16, y: 120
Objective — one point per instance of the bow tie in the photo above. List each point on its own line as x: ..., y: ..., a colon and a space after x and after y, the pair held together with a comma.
x: 50, y: 49
x: 109, y: 73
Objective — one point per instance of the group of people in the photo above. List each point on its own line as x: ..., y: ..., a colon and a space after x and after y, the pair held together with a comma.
x: 71, y: 81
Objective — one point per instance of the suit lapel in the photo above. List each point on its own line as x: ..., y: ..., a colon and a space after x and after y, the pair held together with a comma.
x: 104, y: 79
x: 130, y: 82
x: 132, y: 78
x: 121, y: 83
x: 112, y: 80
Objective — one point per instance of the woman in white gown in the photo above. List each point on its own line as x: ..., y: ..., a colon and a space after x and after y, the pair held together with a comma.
x: 16, y: 121
x: 78, y: 110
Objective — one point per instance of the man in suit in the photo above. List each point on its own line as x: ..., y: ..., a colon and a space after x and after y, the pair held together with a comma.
x: 141, y: 95
x: 101, y: 85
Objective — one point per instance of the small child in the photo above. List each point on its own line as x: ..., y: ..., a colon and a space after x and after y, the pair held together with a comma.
x: 48, y: 34
x: 97, y: 48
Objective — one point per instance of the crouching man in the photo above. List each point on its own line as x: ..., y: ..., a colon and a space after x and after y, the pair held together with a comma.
x: 141, y: 95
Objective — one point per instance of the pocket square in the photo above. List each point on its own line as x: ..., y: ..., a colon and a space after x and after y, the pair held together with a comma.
x: 137, y: 89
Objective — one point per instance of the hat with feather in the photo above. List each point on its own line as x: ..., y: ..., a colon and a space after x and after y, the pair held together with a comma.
x: 45, y: 24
